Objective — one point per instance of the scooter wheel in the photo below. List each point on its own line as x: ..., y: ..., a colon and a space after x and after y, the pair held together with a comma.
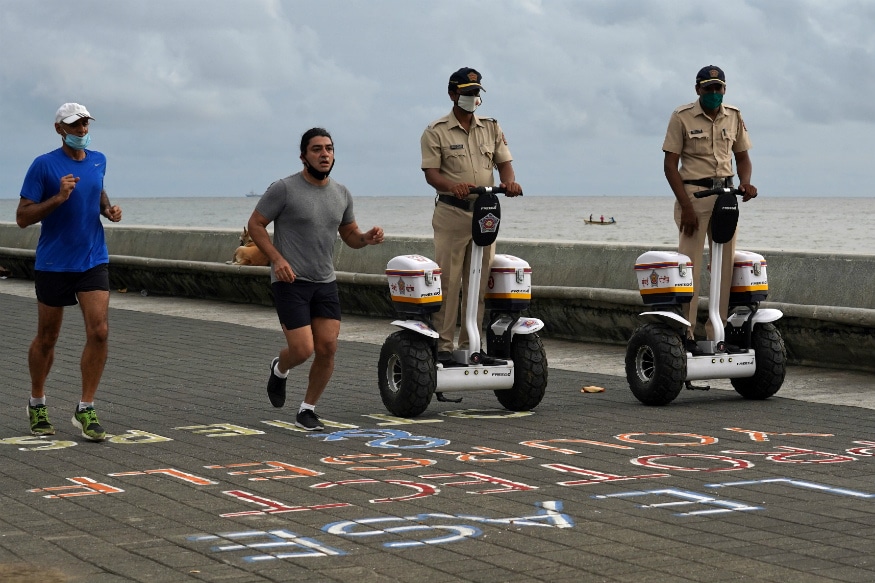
x: 407, y: 373
x: 656, y: 364
x: 529, y: 374
x: 771, y: 364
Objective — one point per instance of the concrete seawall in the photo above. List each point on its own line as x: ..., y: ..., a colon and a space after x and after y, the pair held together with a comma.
x: 583, y: 291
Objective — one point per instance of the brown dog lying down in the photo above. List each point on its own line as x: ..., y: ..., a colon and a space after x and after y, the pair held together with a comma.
x: 247, y: 253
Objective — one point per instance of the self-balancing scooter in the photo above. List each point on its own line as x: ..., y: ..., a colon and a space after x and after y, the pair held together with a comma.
x: 749, y: 351
x: 514, y: 365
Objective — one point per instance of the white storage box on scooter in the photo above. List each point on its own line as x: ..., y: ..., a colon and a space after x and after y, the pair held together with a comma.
x: 750, y: 283
x: 664, y: 277
x: 510, y: 284
x: 414, y: 284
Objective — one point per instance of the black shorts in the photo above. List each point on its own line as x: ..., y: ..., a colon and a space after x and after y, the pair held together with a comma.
x: 59, y: 288
x: 299, y: 302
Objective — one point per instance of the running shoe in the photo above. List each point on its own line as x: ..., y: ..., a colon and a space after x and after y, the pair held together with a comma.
x: 87, y: 422
x: 276, y: 387
x: 39, y: 420
x: 309, y: 420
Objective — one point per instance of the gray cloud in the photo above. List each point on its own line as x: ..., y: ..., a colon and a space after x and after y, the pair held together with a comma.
x: 210, y: 97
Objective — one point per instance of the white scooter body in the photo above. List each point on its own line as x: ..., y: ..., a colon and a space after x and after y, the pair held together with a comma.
x: 716, y: 363
x: 409, y: 370
x: 470, y: 376
x: 657, y: 371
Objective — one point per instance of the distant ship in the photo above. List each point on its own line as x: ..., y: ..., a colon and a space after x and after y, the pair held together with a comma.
x: 252, y: 194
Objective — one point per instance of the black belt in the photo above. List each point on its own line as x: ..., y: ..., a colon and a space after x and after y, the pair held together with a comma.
x: 463, y: 204
x: 711, y: 182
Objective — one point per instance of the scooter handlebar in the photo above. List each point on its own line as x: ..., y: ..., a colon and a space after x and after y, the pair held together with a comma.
x: 715, y: 191
x: 478, y: 190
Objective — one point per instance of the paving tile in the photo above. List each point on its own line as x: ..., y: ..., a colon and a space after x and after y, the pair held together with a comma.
x: 205, y: 481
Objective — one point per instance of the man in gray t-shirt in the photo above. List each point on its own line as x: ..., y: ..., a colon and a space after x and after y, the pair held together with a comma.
x: 307, y: 209
x: 306, y: 219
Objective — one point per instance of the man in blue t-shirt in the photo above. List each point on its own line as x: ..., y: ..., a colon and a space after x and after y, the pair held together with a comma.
x: 64, y: 191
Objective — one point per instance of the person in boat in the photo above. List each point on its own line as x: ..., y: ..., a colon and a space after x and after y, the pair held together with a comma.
x: 702, y: 137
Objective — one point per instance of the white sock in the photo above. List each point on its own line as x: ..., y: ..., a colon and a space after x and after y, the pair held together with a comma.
x: 83, y: 405
x: 276, y: 371
x: 34, y: 401
x: 307, y: 407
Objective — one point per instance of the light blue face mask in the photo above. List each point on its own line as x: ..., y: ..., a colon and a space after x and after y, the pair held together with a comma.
x: 77, y: 142
x: 711, y: 101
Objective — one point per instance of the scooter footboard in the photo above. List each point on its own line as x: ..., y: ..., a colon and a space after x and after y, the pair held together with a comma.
x: 475, y: 378
x: 721, y: 366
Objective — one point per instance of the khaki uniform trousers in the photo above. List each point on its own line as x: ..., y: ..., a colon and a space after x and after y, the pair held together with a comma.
x: 693, y: 247
x: 452, y: 248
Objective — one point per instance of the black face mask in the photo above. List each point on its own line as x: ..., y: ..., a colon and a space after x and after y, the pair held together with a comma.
x: 318, y: 174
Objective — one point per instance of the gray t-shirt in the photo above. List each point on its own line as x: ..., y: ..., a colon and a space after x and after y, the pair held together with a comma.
x: 306, y: 218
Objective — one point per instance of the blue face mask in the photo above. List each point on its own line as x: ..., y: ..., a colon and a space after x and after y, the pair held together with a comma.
x: 711, y: 101
x: 77, y: 142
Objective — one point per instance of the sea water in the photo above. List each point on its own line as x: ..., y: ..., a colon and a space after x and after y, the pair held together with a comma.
x: 823, y: 225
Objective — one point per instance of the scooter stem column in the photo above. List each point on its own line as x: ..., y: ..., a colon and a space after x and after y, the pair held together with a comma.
x: 714, y: 299
x: 471, y: 323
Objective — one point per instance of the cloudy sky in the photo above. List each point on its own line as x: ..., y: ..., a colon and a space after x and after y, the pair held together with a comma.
x: 210, y: 97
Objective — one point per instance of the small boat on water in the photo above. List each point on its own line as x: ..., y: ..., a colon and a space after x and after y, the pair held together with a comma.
x: 252, y: 194
x: 611, y: 221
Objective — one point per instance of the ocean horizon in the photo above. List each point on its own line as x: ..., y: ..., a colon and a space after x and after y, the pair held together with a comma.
x: 815, y: 224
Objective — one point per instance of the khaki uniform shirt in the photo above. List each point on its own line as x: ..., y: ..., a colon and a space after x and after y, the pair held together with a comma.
x: 464, y: 156
x: 705, y: 147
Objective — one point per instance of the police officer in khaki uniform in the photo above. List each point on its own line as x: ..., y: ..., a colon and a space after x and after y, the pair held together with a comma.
x: 461, y: 150
x: 702, y: 137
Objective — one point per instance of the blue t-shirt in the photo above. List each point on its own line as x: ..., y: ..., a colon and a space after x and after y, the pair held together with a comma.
x: 71, y: 237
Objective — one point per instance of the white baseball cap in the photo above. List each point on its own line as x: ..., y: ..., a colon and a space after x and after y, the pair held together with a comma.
x: 70, y: 112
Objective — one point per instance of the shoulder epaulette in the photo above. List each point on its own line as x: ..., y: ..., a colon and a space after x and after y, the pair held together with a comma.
x: 685, y: 107
x: 438, y: 121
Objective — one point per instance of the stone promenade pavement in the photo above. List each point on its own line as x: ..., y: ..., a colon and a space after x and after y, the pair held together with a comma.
x: 202, y: 480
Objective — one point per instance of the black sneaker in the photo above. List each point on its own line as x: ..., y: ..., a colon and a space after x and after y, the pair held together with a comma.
x: 733, y: 349
x: 276, y: 387
x: 692, y: 347
x: 309, y: 420
x: 487, y: 360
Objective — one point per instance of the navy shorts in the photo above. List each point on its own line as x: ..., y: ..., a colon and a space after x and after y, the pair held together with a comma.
x: 59, y: 288
x: 299, y: 302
